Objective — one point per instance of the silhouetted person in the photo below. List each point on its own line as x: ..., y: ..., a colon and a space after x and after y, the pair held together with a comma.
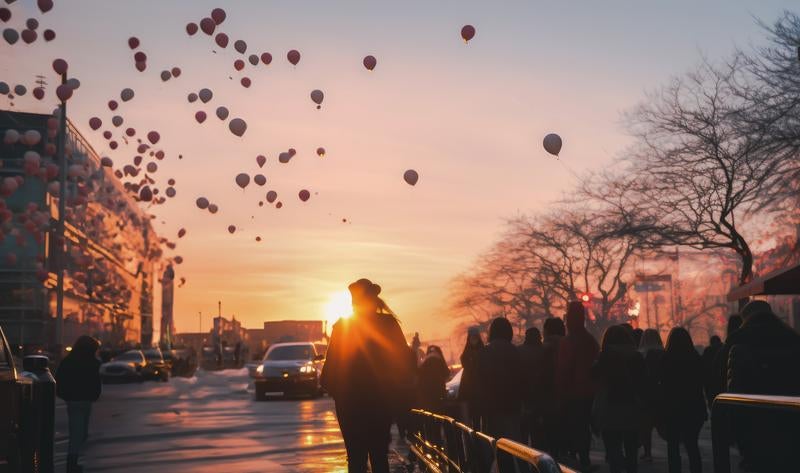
x: 576, y: 355
x: 709, y: 355
x: 78, y: 384
x: 652, y: 349
x: 432, y: 375
x: 531, y: 354
x: 501, y: 385
x: 553, y: 332
x: 763, y: 357
x: 237, y: 353
x: 368, y: 372
x: 619, y: 404
x: 468, y: 390
x: 637, y: 337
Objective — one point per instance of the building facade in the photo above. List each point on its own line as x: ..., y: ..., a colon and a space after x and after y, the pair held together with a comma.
x: 109, y: 251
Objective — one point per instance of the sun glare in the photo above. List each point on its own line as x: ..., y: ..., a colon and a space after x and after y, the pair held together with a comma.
x: 338, y: 306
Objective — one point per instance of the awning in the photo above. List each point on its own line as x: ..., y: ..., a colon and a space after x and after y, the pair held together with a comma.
x: 782, y: 281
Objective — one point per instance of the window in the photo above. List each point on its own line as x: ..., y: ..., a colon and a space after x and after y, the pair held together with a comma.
x: 291, y: 352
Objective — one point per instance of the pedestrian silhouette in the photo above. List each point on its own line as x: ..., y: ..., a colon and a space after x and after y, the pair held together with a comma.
x: 652, y: 349
x: 554, y: 434
x: 531, y: 354
x: 709, y: 355
x: 432, y: 375
x: 683, y: 408
x: 368, y: 371
x: 79, y: 385
x: 468, y: 389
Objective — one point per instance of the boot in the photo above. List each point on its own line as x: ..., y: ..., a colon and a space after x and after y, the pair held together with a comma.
x: 72, y: 464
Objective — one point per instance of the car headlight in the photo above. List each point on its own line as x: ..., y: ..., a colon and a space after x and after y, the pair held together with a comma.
x: 307, y: 369
x: 260, y: 369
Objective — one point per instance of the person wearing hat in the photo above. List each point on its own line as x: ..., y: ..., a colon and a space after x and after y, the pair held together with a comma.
x: 369, y: 372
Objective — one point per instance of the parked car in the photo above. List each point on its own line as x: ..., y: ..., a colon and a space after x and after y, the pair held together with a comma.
x: 125, y: 367
x: 289, y: 369
x: 156, y: 368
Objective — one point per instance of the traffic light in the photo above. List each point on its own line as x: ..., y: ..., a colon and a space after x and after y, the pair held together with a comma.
x: 585, y: 298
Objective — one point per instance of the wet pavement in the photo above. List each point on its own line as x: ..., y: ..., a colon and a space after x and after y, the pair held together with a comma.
x: 208, y: 423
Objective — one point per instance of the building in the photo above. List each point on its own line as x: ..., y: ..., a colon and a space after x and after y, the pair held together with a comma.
x: 285, y: 331
x: 110, y: 252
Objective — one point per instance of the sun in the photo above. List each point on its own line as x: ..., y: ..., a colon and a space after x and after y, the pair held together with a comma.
x: 338, y: 306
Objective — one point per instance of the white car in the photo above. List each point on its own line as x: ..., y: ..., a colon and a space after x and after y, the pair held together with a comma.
x: 454, y: 384
x: 125, y: 367
x: 289, y: 369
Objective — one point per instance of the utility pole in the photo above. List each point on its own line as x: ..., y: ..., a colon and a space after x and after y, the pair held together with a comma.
x: 62, y: 209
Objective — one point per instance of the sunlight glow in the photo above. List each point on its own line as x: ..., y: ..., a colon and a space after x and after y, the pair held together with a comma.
x: 338, y: 306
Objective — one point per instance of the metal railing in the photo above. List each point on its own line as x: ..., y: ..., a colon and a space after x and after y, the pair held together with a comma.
x: 441, y: 444
x: 728, y: 403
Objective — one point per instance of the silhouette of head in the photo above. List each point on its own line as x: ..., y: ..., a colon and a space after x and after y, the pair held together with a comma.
x: 434, y: 350
x: 576, y: 316
x: 474, y: 337
x: 679, y: 342
x: 714, y: 341
x: 364, y: 294
x: 533, y: 336
x: 617, y: 336
x: 651, y: 340
x: 734, y: 322
x: 754, y: 308
x: 85, y: 346
x: 500, y: 329
x: 554, y: 326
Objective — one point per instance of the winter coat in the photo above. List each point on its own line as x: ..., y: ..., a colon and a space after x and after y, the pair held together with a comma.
x: 532, y: 359
x: 682, y: 404
x: 468, y: 390
x: 499, y: 369
x: 432, y: 375
x: 577, y: 353
x: 78, y: 378
x: 619, y: 402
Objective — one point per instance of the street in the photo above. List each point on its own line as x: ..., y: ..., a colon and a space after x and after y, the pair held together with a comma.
x: 208, y: 423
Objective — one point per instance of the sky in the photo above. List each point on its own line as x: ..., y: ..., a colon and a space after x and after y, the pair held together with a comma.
x: 469, y: 118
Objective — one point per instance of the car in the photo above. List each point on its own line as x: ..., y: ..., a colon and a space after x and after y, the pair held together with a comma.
x: 156, y: 368
x: 289, y: 369
x: 127, y: 366
x: 454, y: 384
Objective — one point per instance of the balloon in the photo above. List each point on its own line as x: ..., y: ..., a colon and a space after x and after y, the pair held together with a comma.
x: 140, y: 57
x: 240, y: 46
x: 271, y: 196
x: 279, y: 205
x: 207, y: 25
x: 212, y: 208
x: 113, y: 145
x: 5, y: 14
x: 293, y: 56
x: 284, y: 158
x: 145, y: 194
x: 304, y: 195
x: 112, y: 105
x: 191, y: 28
x: 165, y: 76
x: 181, y: 232
x: 29, y: 36
x: 63, y: 92
x: 253, y: 58
x: 133, y: 42
x: 222, y: 113
x: 11, y: 137
x: 231, y: 229
x: 237, y: 126
x: 176, y: 71
x: 126, y: 94
x: 222, y: 40
x: 49, y: 35
x: 258, y: 238
x: 20, y: 90
x: 411, y: 177
x: 141, y: 66
x: 107, y: 135
x: 260, y: 160
x: 178, y: 260
x: 153, y: 137
x: 370, y: 62
x: 38, y: 92
x: 32, y: 23
x: 192, y: 97
x: 245, y: 82
x: 242, y: 180
x: 266, y: 58
x: 205, y: 95
x: 202, y: 203
x: 317, y: 96
x: 32, y: 137
x: 10, y: 35
x: 238, y: 64
x: 260, y: 179
x: 60, y: 66
x: 73, y: 83
x: 106, y: 162
x: 321, y: 152
x: 152, y: 167
x: 467, y: 32
x: 170, y: 192
x: 292, y: 152
x: 44, y: 5
x: 159, y: 155
x: 552, y: 144
x: 218, y: 15
x: 200, y: 116
x: 116, y: 120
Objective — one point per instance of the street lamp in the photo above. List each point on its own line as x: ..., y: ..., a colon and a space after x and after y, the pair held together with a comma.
x: 62, y: 208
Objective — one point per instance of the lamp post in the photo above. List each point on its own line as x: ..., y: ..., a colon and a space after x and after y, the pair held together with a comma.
x: 62, y: 208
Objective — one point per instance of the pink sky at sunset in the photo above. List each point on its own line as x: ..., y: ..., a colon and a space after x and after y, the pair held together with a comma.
x: 468, y: 117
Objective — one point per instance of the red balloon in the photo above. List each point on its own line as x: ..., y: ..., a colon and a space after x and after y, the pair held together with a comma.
x: 240, y: 46
x: 271, y: 196
x: 370, y: 62
x: 45, y: 5
x: 261, y: 160
x: 259, y: 179
x: 130, y: 131
x: 112, y: 105
x: 245, y: 82
x: 32, y: 23
x: 279, y: 205
x: 140, y: 57
x: 222, y: 40
x: 181, y: 232
x: 64, y: 92
x: 253, y: 59
x: 266, y: 58
x: 133, y: 42
x: 191, y: 28
x: 141, y: 66
x: 38, y: 92
x: 29, y: 36
x: 153, y: 137
x: 467, y: 32
x: 218, y: 15
x: 238, y: 64
x: 107, y: 135
x: 207, y: 25
x: 200, y: 116
x: 5, y: 14
x: 49, y: 35
x: 293, y: 56
x: 95, y: 123
x: 106, y: 162
x: 113, y: 145
x: 304, y: 195
x: 176, y: 71
x: 60, y: 66
x: 231, y: 229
